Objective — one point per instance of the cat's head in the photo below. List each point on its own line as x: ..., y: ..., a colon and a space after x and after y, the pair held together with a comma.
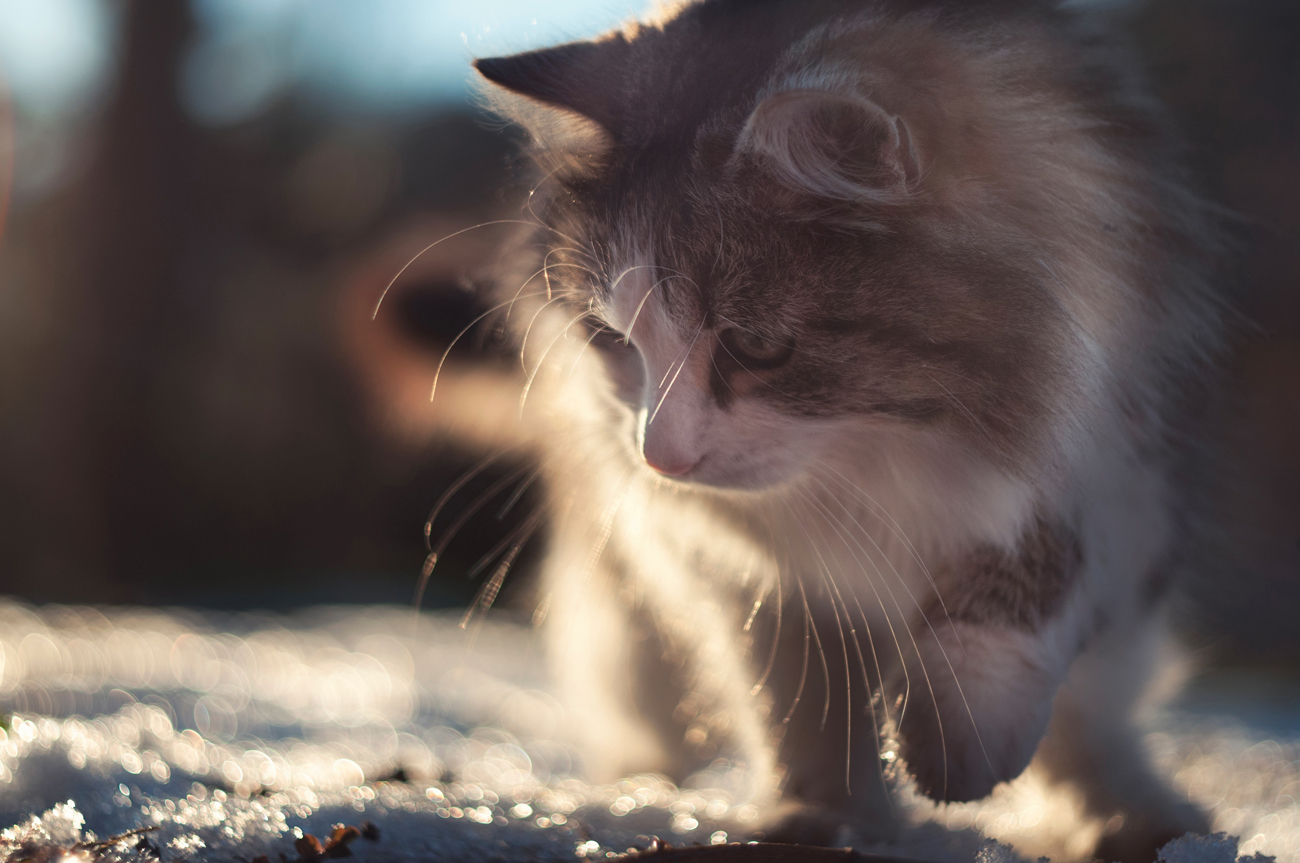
x: 764, y: 237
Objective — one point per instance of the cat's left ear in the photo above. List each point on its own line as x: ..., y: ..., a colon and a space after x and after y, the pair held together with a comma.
x: 833, y: 146
x: 582, y: 77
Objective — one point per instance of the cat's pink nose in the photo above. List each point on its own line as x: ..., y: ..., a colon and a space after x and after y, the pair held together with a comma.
x: 670, y: 467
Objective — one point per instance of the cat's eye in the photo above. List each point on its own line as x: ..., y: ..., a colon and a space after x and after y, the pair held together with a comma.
x: 754, y: 351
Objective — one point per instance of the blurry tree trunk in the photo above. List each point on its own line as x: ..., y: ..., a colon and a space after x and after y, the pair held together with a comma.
x: 143, y: 180
x: 94, y: 437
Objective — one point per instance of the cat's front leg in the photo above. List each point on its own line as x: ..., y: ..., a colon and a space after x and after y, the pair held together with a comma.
x: 835, y: 790
x: 596, y: 645
x: 1094, y: 745
x: 990, y: 653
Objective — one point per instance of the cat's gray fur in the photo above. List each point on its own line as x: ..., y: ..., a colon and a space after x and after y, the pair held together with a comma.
x: 910, y: 308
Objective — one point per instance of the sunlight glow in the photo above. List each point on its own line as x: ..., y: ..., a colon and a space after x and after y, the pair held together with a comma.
x: 54, y: 54
x: 385, y: 55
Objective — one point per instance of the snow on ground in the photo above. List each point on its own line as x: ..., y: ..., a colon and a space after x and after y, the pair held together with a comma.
x: 235, y: 735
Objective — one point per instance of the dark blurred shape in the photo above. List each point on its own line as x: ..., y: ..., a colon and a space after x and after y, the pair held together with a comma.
x: 214, y: 417
x: 435, y: 313
x: 1231, y: 73
x: 142, y: 185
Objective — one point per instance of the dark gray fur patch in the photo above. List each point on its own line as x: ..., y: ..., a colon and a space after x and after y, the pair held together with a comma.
x: 1020, y: 589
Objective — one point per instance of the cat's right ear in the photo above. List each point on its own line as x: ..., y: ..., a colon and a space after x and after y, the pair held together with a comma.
x: 582, y: 77
x: 833, y: 146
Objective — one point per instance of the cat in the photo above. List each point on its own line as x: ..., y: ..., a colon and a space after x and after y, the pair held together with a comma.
x: 867, y: 347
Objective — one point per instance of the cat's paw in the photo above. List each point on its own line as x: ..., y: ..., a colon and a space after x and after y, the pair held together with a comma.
x: 960, y: 742
x: 800, y: 824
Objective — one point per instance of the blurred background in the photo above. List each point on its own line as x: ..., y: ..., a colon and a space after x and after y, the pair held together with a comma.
x: 208, y: 198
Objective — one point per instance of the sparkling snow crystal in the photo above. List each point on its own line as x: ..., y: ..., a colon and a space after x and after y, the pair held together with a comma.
x: 137, y: 733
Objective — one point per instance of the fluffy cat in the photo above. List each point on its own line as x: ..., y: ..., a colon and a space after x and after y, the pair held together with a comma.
x: 865, y: 344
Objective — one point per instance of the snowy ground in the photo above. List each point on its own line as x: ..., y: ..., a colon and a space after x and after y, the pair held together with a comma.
x: 234, y: 735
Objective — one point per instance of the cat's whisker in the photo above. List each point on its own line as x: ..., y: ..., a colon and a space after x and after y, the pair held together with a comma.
x: 606, y: 530
x: 541, y: 271
x: 826, y: 668
x: 952, y: 670
x: 627, y: 336
x: 477, y: 504
x: 911, y: 636
x: 920, y: 657
x: 532, y: 192
x: 866, y: 623
x: 523, y: 344
x: 388, y: 287
x: 682, y: 355
x: 627, y: 271
x: 483, y: 464
x: 848, y: 514
x: 518, y: 494
x: 889, y: 622
x: 437, y: 374
x: 821, y: 654
x: 532, y: 376
x: 578, y: 354
x: 436, y: 551
x: 760, y: 594
x: 891, y: 524
x: 670, y: 270
x: 714, y: 363
x: 776, y: 640
x: 807, y: 644
x: 511, y: 536
x: 871, y: 642
x: 686, y: 355
x: 885, y: 518
x: 899, y: 533
x: 546, y: 267
x: 492, y: 587
x: 830, y: 580
x: 779, y: 603
x: 679, y: 274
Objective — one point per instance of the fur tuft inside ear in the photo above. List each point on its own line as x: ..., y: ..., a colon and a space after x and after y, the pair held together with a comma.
x: 583, y: 77
x: 833, y: 146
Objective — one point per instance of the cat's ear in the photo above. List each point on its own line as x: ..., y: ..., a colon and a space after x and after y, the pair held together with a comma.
x: 833, y: 146
x: 582, y: 77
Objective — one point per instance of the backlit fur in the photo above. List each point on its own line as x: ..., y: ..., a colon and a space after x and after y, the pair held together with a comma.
x: 978, y: 301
